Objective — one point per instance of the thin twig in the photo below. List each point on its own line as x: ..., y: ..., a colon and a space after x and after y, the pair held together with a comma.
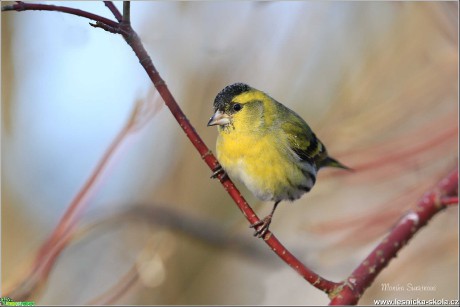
x: 114, y: 10
x: 126, y: 12
x: 21, y: 6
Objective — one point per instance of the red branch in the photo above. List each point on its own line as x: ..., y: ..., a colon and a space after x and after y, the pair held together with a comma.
x: 114, y: 10
x: 363, y: 276
x: 124, y: 28
x: 21, y: 6
x: 449, y: 201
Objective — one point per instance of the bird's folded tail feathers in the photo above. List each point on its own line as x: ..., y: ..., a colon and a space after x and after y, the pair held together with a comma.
x: 331, y: 162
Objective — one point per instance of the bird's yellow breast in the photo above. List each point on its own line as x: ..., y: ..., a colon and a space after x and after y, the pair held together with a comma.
x: 261, y: 162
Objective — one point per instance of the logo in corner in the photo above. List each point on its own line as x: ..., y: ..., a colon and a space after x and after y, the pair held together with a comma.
x: 8, y: 301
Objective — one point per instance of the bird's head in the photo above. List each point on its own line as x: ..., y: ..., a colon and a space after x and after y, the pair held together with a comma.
x: 239, y: 107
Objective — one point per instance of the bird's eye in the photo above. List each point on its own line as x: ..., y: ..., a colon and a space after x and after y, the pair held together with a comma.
x: 237, y: 107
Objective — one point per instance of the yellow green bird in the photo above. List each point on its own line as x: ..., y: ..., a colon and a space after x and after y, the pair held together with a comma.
x: 267, y: 146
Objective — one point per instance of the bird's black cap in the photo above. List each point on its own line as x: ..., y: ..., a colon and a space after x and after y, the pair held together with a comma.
x: 226, y: 95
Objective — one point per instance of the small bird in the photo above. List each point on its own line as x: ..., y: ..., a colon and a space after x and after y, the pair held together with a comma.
x: 267, y: 146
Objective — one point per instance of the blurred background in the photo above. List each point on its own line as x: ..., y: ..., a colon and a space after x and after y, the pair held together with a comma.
x: 377, y: 81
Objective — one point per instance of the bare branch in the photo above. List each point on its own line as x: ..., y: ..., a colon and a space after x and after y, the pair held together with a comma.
x: 363, y: 276
x: 114, y: 10
x: 21, y: 6
x: 127, y: 12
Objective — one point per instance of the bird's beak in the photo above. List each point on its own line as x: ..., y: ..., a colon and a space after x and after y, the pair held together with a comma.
x: 219, y: 118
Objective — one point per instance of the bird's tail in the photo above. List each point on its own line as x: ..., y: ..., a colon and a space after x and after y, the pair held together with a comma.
x: 331, y: 162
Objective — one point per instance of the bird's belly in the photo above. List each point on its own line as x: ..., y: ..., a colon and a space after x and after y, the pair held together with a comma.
x: 265, y: 171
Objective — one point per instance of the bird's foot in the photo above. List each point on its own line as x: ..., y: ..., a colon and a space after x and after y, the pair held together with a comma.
x: 261, y: 227
x: 217, y: 171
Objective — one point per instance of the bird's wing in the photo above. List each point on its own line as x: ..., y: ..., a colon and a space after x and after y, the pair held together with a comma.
x: 302, y: 140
